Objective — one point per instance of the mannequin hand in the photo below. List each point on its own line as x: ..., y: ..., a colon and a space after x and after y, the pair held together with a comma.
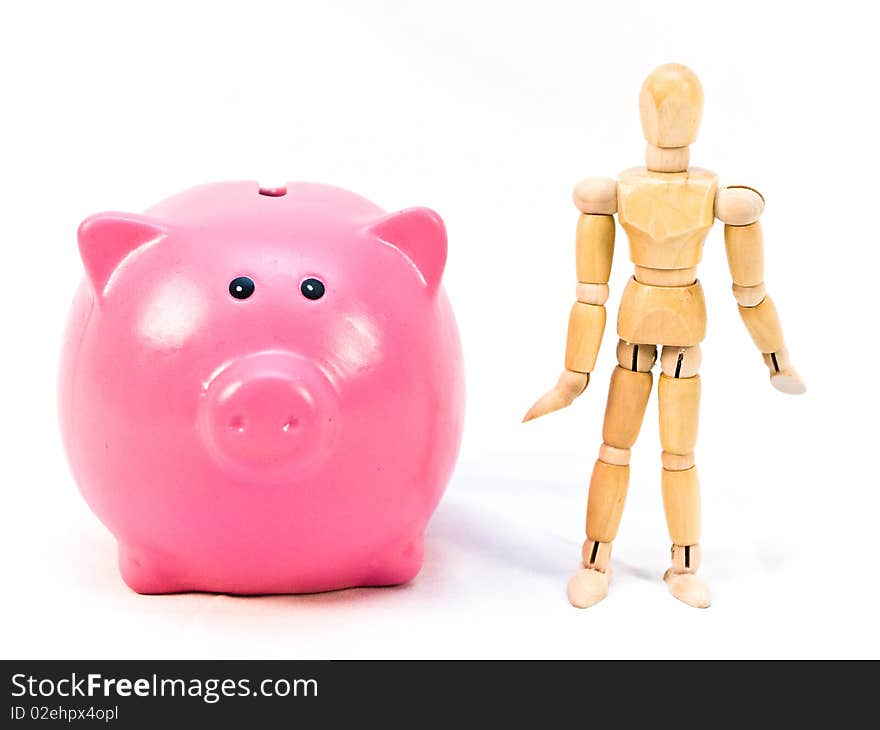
x: 569, y: 386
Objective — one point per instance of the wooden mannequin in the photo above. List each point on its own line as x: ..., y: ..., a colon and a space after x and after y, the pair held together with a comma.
x: 666, y: 209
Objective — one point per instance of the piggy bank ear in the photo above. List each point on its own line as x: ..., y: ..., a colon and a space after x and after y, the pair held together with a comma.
x: 106, y: 239
x: 420, y: 235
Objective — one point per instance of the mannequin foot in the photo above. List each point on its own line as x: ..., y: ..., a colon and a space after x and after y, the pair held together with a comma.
x: 587, y: 587
x: 688, y: 588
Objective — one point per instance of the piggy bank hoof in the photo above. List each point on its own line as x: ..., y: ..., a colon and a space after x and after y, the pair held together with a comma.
x: 400, y: 568
x: 688, y: 588
x: 142, y: 574
x: 587, y: 587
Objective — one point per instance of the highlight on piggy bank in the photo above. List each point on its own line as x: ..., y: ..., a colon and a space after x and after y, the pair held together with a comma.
x: 262, y: 390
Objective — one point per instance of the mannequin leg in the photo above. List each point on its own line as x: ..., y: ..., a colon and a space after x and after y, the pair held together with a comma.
x: 627, y: 397
x: 679, y: 403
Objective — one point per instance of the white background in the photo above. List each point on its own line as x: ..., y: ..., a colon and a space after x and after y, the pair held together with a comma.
x: 489, y: 113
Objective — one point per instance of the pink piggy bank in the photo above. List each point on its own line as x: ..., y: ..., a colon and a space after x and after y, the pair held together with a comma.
x: 262, y: 391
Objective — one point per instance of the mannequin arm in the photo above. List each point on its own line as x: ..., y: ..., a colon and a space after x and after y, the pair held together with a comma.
x: 740, y: 209
x: 596, y: 198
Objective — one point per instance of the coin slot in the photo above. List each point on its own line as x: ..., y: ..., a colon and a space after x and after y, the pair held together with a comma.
x: 274, y: 192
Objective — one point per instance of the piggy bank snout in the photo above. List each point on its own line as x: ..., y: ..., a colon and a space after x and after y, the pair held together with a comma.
x: 269, y: 412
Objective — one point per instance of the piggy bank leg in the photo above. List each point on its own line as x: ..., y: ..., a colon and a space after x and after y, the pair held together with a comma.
x: 400, y: 565
x: 679, y: 402
x: 144, y: 573
x: 627, y: 398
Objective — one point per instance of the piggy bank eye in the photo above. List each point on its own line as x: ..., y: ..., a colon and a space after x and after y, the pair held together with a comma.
x: 312, y: 288
x: 241, y: 287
